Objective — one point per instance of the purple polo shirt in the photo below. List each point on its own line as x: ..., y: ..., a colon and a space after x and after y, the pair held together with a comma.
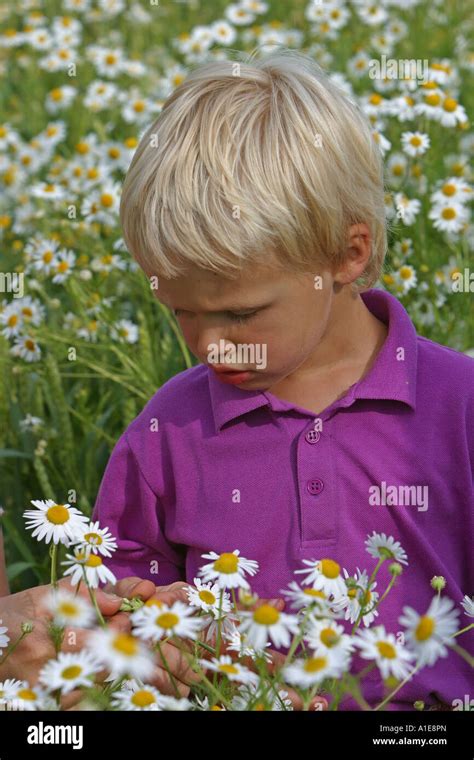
x: 208, y: 466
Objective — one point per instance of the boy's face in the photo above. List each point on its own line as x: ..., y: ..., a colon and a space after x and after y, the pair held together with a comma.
x: 281, y: 318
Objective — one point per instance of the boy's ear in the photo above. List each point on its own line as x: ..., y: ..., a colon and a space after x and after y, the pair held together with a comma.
x: 358, y: 252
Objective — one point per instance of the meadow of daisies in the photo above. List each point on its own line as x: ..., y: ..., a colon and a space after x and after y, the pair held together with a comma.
x: 83, y: 343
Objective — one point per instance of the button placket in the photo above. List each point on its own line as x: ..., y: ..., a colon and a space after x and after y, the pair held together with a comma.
x: 317, y: 486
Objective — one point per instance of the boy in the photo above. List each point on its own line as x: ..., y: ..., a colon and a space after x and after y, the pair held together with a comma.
x: 255, y: 205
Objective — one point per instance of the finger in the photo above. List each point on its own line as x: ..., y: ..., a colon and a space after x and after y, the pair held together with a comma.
x: 132, y: 586
x: 172, y: 593
x: 177, y: 662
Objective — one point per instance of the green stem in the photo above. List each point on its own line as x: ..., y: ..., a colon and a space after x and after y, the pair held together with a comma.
x: 400, y: 685
x: 53, y: 553
x: 13, y: 646
x: 464, y: 654
x: 167, y: 668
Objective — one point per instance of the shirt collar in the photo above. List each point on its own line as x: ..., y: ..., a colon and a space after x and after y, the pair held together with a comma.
x: 391, y: 377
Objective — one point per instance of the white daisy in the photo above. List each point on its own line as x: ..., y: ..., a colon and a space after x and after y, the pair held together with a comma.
x: 468, y: 604
x: 415, y: 143
x: 139, y: 699
x: 175, y: 705
x: 407, y: 210
x: 237, y: 642
x: 391, y: 657
x: 427, y: 635
x: 232, y: 670
x: 124, y: 331
x: 324, y: 575
x: 97, y: 540
x: 70, y: 609
x: 63, y: 266
x: 228, y: 569
x: 267, y: 623
x: 26, y: 348
x: 381, y: 547
x: 8, y: 689
x: 29, y: 698
x: 248, y: 697
x: 406, y: 277
x: 4, y: 639
x: 69, y: 671
x: 56, y: 522
x: 449, y: 217
x: 206, y: 596
x: 310, y: 671
x: 84, y: 563
x: 329, y: 637
x: 357, y: 597
x: 121, y: 653
x: 177, y: 619
x: 304, y: 597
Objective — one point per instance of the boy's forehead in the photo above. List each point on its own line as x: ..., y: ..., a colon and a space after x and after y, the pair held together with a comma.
x: 251, y: 280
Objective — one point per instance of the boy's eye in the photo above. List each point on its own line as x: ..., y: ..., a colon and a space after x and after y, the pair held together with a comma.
x: 233, y: 315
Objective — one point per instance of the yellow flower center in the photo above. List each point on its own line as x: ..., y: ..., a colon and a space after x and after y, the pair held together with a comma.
x: 329, y: 568
x: 167, y: 620
x: 425, y: 628
x: 63, y: 266
x: 207, y: 597
x: 266, y: 615
x: 93, y: 561
x: 73, y: 671
x: 405, y: 273
x: 329, y: 637
x: 30, y: 345
x: 93, y: 538
x: 27, y: 694
x: 433, y: 99
x: 228, y: 668
x: 314, y: 592
x: 107, y: 200
x: 375, y: 99
x: 143, y: 698
x: 448, y: 213
x: 315, y: 664
x: 153, y: 603
x: 125, y: 644
x: 68, y: 609
x: 47, y: 256
x: 416, y: 141
x: 58, y: 514
x: 92, y: 173
x: 386, y: 650
x: 227, y: 563
x: 450, y: 105
x: 13, y: 320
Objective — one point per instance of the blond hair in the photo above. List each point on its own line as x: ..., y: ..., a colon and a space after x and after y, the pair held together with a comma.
x: 249, y: 157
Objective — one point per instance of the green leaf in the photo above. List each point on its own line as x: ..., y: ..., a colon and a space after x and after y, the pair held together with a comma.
x: 14, y: 453
x: 17, y: 568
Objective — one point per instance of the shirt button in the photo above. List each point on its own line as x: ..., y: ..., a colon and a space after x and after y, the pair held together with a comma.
x: 315, y: 486
x: 313, y: 436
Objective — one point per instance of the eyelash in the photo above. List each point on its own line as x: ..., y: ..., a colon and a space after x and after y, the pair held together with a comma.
x: 238, y: 318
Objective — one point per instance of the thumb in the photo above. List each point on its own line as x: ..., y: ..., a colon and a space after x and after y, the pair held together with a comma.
x: 131, y: 586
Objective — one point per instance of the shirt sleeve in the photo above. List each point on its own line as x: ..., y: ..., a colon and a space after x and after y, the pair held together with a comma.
x: 127, y: 505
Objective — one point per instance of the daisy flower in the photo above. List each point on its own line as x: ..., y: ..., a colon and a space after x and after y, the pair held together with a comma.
x: 304, y: 597
x: 70, y: 609
x: 138, y: 699
x: 29, y: 698
x: 391, y: 657
x: 449, y: 217
x: 57, y: 522
x: 96, y: 540
x: 407, y: 210
x: 47, y: 190
x: 428, y: 634
x: 26, y: 348
x: 124, y: 331
x: 311, y: 671
x: 8, y: 689
x: 406, y: 277
x: 248, y: 696
x: 63, y: 266
x: 228, y: 569
x: 121, y: 653
x: 324, y: 575
x: 452, y: 189
x: 237, y: 642
x: 4, y: 639
x: 451, y: 113
x: 176, y: 705
x: 329, y: 637
x: 267, y: 623
x: 381, y: 547
x: 69, y: 671
x: 415, y: 143
x: 177, y: 619
x: 224, y: 33
x: 233, y: 670
x: 357, y: 597
x: 92, y: 564
x: 468, y: 605
x: 206, y: 596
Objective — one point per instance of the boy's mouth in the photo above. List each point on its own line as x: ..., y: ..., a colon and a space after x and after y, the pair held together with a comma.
x: 231, y: 375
